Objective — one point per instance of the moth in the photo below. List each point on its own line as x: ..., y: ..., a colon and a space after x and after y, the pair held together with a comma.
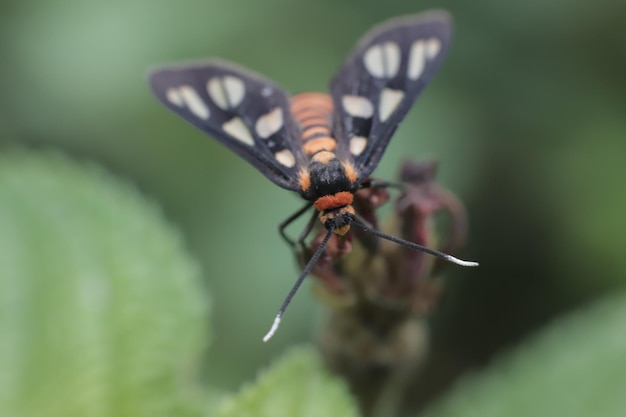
x: 322, y: 146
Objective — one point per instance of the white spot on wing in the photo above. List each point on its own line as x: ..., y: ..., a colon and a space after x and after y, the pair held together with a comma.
x: 236, y: 128
x: 174, y: 97
x: 416, y: 60
x: 389, y: 101
x: 226, y: 92
x: 433, y: 46
x: 235, y: 90
x: 422, y: 50
x: 392, y: 59
x: 217, y: 93
x: 373, y: 60
x: 286, y: 158
x: 383, y: 60
x: 357, y: 145
x: 358, y: 106
x: 193, y: 102
x: 269, y: 123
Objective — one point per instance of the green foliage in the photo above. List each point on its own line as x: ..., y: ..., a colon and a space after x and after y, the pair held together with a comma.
x: 102, y: 312
x: 576, y: 368
x: 295, y: 386
x: 101, y: 309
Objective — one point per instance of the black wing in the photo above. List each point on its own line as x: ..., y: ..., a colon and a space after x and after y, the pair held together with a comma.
x: 245, y: 112
x: 380, y: 80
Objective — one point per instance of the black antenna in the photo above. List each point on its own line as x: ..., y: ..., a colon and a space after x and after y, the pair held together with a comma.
x: 415, y: 246
x: 294, y: 289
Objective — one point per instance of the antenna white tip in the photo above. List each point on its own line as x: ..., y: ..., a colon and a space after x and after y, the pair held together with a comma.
x: 273, y: 329
x: 460, y: 261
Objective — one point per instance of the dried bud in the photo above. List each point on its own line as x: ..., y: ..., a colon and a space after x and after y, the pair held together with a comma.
x: 378, y: 291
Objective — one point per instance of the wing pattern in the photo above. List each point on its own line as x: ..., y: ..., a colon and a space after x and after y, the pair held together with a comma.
x: 245, y: 112
x: 380, y: 80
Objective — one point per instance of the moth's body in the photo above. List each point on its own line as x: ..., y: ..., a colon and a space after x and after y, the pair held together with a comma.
x: 327, y: 181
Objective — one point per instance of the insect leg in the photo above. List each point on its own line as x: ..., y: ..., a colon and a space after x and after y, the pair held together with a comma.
x: 291, y: 219
x: 307, y: 229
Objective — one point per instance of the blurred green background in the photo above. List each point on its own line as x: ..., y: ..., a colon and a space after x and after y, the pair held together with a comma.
x: 527, y: 118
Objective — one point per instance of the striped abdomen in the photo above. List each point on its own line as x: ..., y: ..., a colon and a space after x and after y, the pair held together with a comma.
x: 313, y: 113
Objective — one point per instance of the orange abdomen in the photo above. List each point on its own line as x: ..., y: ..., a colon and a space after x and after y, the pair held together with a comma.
x: 313, y: 112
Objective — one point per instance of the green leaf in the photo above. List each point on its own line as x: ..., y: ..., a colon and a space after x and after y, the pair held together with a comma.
x: 298, y: 385
x: 576, y: 368
x: 101, y: 308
